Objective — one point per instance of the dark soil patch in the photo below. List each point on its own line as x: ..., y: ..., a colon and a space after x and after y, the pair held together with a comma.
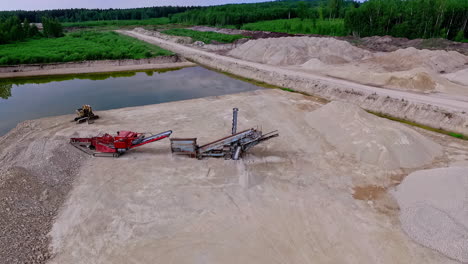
x: 368, y: 192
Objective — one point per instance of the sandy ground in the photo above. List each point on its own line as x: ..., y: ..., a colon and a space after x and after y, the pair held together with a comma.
x: 294, y: 199
x: 434, y: 210
x: 428, y: 109
x: 96, y: 69
x: 407, y: 69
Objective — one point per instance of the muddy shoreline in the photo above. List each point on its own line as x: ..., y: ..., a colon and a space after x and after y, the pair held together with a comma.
x: 99, y: 66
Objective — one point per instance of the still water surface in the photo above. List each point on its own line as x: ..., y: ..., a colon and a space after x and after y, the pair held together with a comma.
x: 25, y: 99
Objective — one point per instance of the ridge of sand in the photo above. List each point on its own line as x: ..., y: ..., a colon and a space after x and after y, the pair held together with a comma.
x: 410, y: 58
x: 434, y: 209
x: 409, y: 68
x: 371, y: 139
x: 298, y: 50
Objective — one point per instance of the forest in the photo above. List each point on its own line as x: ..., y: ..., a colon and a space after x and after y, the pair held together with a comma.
x: 410, y: 19
x: 80, y: 15
x: 239, y: 14
x: 13, y: 29
x: 400, y: 18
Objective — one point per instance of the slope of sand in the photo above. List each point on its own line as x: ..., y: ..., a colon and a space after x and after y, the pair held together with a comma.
x: 411, y: 58
x: 434, y: 209
x: 289, y: 200
x: 371, y: 139
x: 409, y: 69
x: 298, y: 50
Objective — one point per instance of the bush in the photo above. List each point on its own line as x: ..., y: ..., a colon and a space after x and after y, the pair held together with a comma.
x: 52, y: 27
x: 460, y: 36
x: 78, y: 46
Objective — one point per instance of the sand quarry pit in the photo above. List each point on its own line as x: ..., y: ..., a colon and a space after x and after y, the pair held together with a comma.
x: 425, y: 71
x: 296, y: 199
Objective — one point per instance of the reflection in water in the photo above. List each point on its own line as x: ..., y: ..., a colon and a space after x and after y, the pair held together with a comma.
x: 25, y: 98
x: 5, y: 89
x: 85, y: 76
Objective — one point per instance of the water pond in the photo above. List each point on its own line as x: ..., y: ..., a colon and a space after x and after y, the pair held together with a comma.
x: 31, y: 98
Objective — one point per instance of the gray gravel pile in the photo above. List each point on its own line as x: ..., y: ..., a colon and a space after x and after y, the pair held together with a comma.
x: 36, y: 174
x: 434, y: 210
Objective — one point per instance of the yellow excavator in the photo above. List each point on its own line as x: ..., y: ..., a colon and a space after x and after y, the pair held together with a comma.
x: 85, y: 113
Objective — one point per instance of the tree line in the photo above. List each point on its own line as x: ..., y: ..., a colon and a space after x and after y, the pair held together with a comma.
x: 13, y: 29
x: 81, y: 15
x: 399, y: 18
x: 239, y: 14
x: 410, y: 18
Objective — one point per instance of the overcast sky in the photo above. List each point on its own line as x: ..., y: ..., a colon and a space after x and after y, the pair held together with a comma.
x: 60, y: 4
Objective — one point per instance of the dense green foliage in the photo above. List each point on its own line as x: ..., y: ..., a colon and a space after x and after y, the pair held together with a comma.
x: 247, y: 13
x: 52, y: 27
x: 207, y: 37
x: 410, y: 18
x: 12, y: 29
x: 78, y: 46
x: 103, y: 23
x: 5, y: 89
x: 79, y: 15
x: 333, y: 27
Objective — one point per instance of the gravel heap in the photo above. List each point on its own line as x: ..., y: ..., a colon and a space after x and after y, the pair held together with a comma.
x: 434, y: 209
x: 36, y: 173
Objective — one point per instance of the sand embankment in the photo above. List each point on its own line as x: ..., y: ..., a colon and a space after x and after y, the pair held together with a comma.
x: 29, y: 70
x: 405, y: 69
x: 446, y: 112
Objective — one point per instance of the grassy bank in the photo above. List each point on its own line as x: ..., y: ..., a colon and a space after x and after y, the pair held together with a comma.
x: 438, y: 130
x: 207, y: 37
x: 119, y: 23
x: 78, y: 46
x: 334, y: 27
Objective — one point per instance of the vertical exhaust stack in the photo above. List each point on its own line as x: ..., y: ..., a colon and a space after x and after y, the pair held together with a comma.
x: 234, y: 120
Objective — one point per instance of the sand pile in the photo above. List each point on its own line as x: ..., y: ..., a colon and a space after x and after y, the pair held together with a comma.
x: 298, y: 50
x: 409, y: 68
x: 371, y: 139
x: 434, y: 209
x: 410, y: 58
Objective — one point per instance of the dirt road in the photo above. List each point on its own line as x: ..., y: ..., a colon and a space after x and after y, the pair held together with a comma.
x: 331, y: 88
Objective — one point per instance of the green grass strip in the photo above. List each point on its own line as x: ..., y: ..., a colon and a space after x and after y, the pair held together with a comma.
x: 207, y: 37
x: 119, y: 23
x: 404, y: 121
x: 333, y: 27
